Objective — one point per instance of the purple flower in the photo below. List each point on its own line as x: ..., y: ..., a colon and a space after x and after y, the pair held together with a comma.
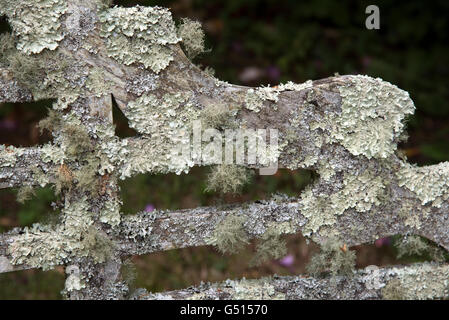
x: 149, y: 207
x: 287, y: 261
x: 382, y: 242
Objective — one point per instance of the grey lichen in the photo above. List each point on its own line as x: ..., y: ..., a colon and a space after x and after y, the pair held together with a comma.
x: 35, y: 22
x: 139, y: 35
x: 192, y: 36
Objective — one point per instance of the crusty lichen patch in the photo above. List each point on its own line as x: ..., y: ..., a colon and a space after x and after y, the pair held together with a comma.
x: 422, y: 283
x: 430, y: 183
x: 35, y: 22
x: 139, y: 35
x: 254, y: 289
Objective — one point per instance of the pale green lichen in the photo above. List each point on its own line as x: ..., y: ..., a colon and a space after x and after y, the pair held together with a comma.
x: 254, y: 289
x: 46, y: 75
x: 192, y: 36
x: 139, y: 35
x: 370, y: 121
x: 359, y: 192
x: 393, y: 290
x: 218, y: 116
x: 229, y: 235
x: 430, y: 183
x: 35, y: 22
x: 169, y: 121
x: 97, y: 82
x: 415, y: 245
x: 110, y: 213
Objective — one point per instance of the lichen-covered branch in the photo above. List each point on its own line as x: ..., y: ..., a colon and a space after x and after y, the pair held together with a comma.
x: 159, y: 230
x: 419, y: 281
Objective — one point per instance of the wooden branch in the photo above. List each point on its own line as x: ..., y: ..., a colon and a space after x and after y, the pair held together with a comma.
x: 419, y: 281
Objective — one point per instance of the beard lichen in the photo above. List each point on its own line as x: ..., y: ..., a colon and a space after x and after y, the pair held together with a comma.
x: 25, y: 193
x: 334, y: 258
x: 227, y: 178
x: 229, y: 235
x: 271, y: 245
x: 192, y: 36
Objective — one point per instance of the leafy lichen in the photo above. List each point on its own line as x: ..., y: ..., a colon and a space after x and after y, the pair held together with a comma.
x: 359, y: 192
x: 35, y: 22
x: 370, y: 121
x: 430, y: 183
x: 139, y: 35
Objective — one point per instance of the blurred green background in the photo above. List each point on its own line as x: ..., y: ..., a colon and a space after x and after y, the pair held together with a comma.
x: 258, y: 43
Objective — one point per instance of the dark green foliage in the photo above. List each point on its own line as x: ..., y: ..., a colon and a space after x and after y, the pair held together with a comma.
x: 334, y: 258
